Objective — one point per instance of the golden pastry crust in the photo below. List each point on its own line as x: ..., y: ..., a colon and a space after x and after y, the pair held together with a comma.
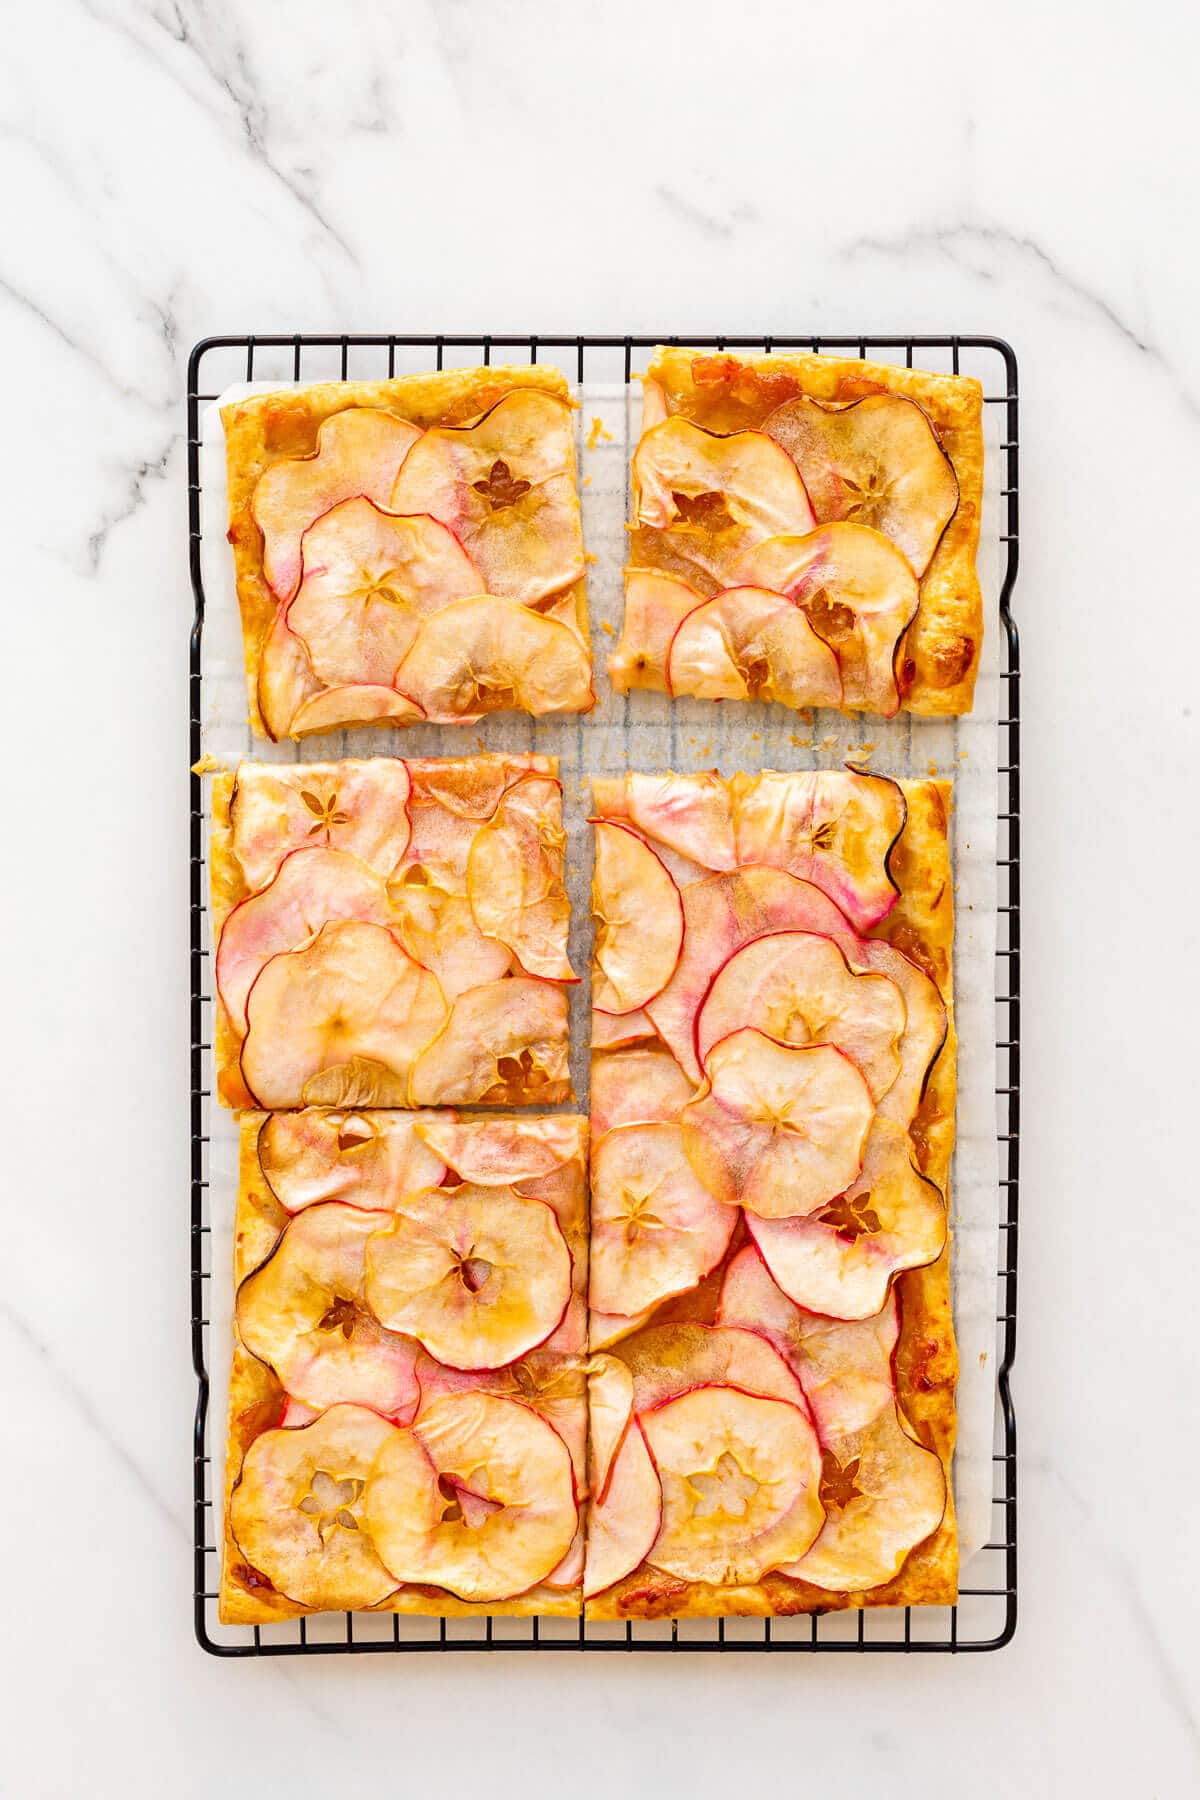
x: 467, y: 789
x: 257, y: 1398
x: 925, y: 1361
x: 271, y: 428
x: 939, y: 655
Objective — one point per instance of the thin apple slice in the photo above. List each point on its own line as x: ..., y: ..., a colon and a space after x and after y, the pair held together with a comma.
x: 655, y: 606
x: 623, y: 1522
x: 611, y: 1031
x: 363, y: 1159
x: 340, y: 1022
x: 515, y: 878
x: 666, y: 1360
x: 610, y: 1409
x: 297, y: 1509
x: 359, y: 451
x: 491, y: 655
x: 471, y: 787
x: 748, y: 643
x: 506, y: 488
x: 607, y: 1329
x: 639, y: 921
x: 715, y: 497
x: 477, y: 1275
x: 551, y: 1383
x: 285, y: 677
x: 359, y: 807
x: 311, y: 888
x: 369, y: 579
x: 499, y: 1513
x: 740, y: 1479
x: 295, y: 1413
x: 342, y: 708
x: 641, y: 1085
x: 567, y: 1576
x: 306, y: 1314
x: 501, y: 1152
x: 857, y: 592
x: 438, y: 929
x: 779, y: 1130
x: 835, y: 827
x: 799, y: 989
x: 876, y: 462
x: 721, y: 913
x: 924, y: 1028
x: 656, y: 1230
x: 504, y: 1044
x: 841, y: 1261
x: 690, y: 815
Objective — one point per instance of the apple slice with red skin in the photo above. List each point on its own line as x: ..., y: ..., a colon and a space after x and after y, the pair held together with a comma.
x: 876, y: 462
x: 842, y: 1260
x: 504, y: 1043
x: 515, y: 879
x: 666, y: 1360
x: 656, y: 605
x: 639, y: 921
x: 437, y: 928
x: 297, y: 1509
x: 359, y: 807
x: 748, y: 643
x: 492, y: 655
x: 607, y: 1329
x: 884, y: 1493
x: 690, y: 815
x: 835, y: 827
x: 777, y: 1129
x: 359, y: 451
x: 857, y: 592
x: 656, y: 1230
x: 496, y: 1514
x: 285, y: 677
x: 478, y: 1275
x: 740, y: 1477
x: 311, y: 888
x: 612, y: 1031
x: 722, y: 913
x: 924, y: 1029
x: 500, y: 1152
x: 506, y: 488
x: 610, y: 1409
x: 624, y: 1521
x: 339, y: 1022
x: 369, y: 578
x: 713, y: 496
x: 641, y: 1085
x: 363, y: 1159
x: 305, y: 1313
x: 798, y: 988
x: 342, y: 708
x: 567, y: 1576
x: 551, y: 1383
x: 470, y: 787
x: 295, y: 1413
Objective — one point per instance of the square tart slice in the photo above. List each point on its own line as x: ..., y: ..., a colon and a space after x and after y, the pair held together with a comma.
x: 408, y: 1408
x: 408, y: 549
x: 772, y: 1096
x: 390, y: 933
x: 805, y: 530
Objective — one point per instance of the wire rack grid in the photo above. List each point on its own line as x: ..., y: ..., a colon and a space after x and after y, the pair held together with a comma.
x: 986, y: 1614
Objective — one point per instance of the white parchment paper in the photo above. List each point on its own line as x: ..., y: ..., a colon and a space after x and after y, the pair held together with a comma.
x: 649, y: 732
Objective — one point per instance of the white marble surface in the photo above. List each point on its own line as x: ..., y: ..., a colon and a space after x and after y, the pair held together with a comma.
x: 170, y: 170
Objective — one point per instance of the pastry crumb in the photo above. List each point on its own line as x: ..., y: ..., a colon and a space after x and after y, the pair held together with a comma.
x: 756, y: 737
x: 597, y: 432
x: 606, y: 626
x: 800, y: 743
x: 590, y: 557
x: 208, y: 762
x: 587, y: 481
x: 933, y: 768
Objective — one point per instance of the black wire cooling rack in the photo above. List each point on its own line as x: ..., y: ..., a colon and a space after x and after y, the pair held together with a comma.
x: 986, y: 1614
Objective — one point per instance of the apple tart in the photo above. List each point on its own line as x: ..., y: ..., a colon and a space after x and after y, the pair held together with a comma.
x: 390, y: 933
x: 408, y: 549
x: 772, y: 1095
x: 805, y: 531
x: 407, y: 1425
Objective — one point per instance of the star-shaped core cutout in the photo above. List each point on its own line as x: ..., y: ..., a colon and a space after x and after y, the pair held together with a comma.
x: 500, y: 487
x: 325, y: 812
x: 328, y: 1501
x: 838, y: 1484
x: 707, y: 511
x: 341, y: 1316
x: 725, y: 1488
x: 851, y: 1216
